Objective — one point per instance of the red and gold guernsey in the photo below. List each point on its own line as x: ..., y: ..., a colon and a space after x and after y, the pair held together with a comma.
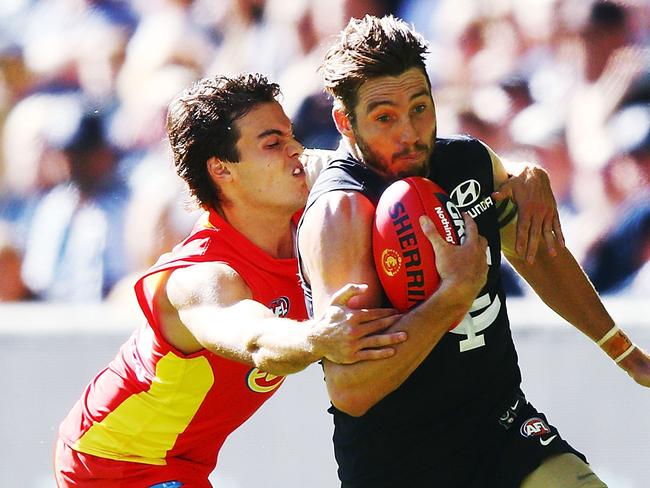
x: 154, y: 404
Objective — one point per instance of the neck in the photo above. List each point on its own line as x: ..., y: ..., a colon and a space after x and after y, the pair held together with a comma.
x: 273, y: 233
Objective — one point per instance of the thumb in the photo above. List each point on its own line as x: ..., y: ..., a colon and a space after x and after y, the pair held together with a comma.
x: 344, y: 294
x: 432, y: 233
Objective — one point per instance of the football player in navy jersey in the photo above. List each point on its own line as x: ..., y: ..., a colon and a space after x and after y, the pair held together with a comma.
x: 447, y: 409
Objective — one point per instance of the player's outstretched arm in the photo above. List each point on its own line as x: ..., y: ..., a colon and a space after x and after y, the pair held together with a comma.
x: 335, y: 245
x: 562, y: 284
x: 528, y: 185
x: 209, y: 306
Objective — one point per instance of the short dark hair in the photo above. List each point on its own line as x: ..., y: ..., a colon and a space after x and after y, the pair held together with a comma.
x: 368, y: 48
x: 201, y: 125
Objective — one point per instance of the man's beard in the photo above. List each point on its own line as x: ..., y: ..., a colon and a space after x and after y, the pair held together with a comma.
x: 379, y: 163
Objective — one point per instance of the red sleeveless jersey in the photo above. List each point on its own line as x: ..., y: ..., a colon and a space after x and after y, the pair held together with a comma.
x: 154, y: 403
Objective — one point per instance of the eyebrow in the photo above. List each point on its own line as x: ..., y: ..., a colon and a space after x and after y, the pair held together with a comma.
x: 273, y: 132
x: 269, y: 132
x: 373, y: 105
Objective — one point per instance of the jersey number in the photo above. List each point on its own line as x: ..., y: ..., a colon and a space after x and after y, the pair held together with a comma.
x: 470, y: 325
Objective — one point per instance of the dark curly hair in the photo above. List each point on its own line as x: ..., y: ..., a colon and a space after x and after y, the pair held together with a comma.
x: 368, y: 48
x: 201, y: 125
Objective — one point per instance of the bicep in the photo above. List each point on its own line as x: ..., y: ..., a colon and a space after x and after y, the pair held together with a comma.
x: 214, y: 304
x: 506, y: 210
x: 508, y: 233
x: 336, y: 248
x: 499, y: 171
x: 213, y: 283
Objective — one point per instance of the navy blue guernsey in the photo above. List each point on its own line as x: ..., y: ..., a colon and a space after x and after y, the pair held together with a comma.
x: 423, y: 433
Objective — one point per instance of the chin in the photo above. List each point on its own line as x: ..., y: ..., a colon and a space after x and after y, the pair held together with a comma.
x: 419, y: 169
x: 302, y: 201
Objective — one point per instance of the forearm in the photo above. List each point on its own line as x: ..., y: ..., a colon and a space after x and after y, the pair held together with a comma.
x: 276, y: 345
x: 357, y: 387
x: 562, y: 284
x: 283, y: 346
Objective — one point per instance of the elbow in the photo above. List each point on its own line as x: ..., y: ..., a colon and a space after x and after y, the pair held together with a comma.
x: 349, y: 402
x: 279, y: 365
x: 278, y: 368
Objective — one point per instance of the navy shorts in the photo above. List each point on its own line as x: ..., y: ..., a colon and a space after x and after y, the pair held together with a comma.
x: 494, y: 451
x: 526, y: 440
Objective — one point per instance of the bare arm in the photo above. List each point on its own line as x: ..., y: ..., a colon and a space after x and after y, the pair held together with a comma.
x: 562, y: 284
x: 335, y: 244
x: 209, y: 306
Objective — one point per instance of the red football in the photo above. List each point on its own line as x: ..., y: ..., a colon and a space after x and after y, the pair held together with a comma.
x: 404, y: 257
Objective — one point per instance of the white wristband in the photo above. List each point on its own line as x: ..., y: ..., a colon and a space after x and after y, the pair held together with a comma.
x: 607, y: 336
x: 625, y: 354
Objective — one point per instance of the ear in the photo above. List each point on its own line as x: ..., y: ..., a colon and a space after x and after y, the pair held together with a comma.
x: 343, y: 123
x: 217, y: 169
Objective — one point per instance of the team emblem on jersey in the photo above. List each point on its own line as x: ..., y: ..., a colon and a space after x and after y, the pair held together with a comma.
x: 534, y: 427
x: 262, y: 382
x: 391, y: 261
x: 280, y: 306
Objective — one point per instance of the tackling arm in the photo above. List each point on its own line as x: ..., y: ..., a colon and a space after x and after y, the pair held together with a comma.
x: 335, y: 245
x: 209, y: 306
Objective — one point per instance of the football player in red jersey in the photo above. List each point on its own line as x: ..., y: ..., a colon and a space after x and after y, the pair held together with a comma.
x: 447, y: 409
x: 225, y: 312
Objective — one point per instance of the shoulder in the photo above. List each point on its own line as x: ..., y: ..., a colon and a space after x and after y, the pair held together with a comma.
x: 214, y: 283
x: 459, y: 150
x: 461, y: 143
x: 338, y: 221
x: 339, y: 206
x: 348, y: 175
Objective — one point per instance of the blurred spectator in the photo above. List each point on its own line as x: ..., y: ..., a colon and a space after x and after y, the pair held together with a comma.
x: 257, y: 37
x: 611, y: 62
x: 560, y: 82
x: 74, y: 247
x: 33, y: 162
x: 157, y: 217
x: 616, y: 258
x: 539, y: 133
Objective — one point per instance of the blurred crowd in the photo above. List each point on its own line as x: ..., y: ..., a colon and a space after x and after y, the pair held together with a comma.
x: 88, y: 195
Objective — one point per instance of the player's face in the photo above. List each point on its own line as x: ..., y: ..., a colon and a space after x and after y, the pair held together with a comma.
x: 395, y: 124
x: 269, y: 173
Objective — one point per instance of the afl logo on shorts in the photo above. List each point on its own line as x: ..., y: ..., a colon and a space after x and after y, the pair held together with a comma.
x: 262, y: 382
x: 280, y: 306
x: 534, y: 427
x: 391, y: 262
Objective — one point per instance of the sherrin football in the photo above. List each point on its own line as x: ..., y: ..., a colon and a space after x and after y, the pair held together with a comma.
x: 404, y: 257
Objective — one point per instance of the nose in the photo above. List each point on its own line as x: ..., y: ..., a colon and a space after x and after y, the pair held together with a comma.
x: 294, y: 148
x: 408, y: 134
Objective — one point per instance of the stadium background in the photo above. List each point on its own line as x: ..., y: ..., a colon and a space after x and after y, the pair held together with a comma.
x: 565, y: 83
